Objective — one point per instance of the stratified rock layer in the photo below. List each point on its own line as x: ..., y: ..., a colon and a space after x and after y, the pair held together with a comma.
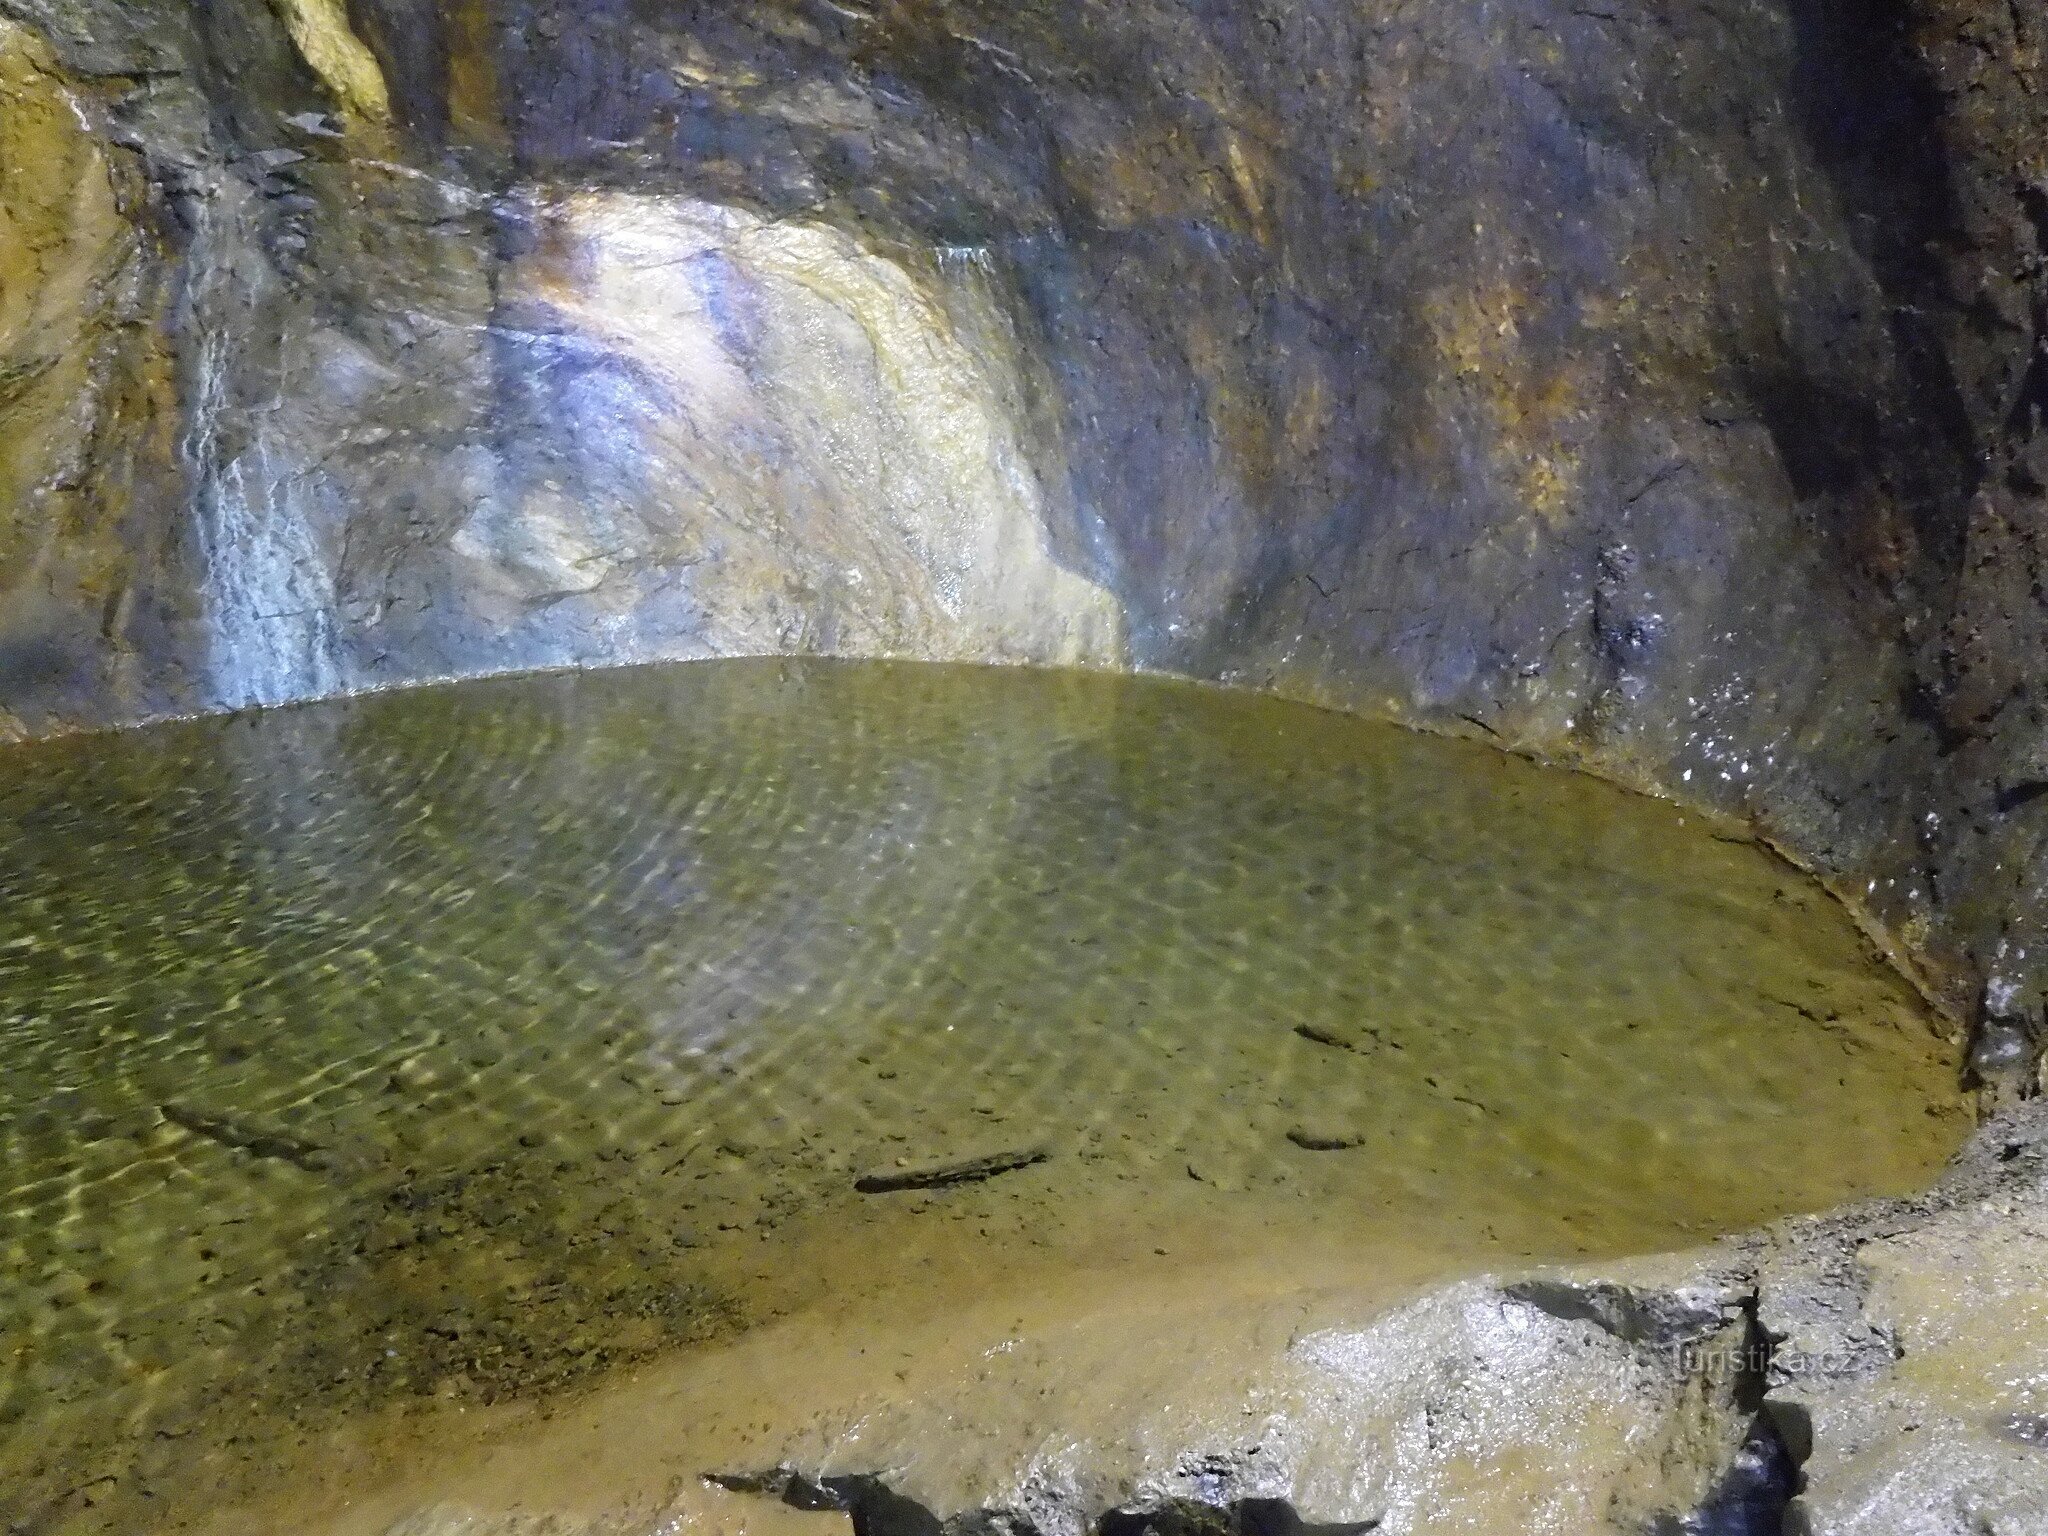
x: 1654, y: 386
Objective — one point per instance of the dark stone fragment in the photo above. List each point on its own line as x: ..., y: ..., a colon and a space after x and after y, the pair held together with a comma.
x: 941, y: 1175
x: 1318, y: 1141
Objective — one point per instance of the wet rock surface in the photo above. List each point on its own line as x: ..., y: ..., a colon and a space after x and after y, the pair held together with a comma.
x: 1656, y: 387
x: 1910, y: 1349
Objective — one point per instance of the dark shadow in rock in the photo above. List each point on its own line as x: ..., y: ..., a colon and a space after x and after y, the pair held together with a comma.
x: 1753, y: 1496
x: 875, y: 1508
x: 878, y: 1510
x: 2028, y: 1429
x: 1795, y: 1429
x: 1635, y: 1317
x: 1244, y: 1517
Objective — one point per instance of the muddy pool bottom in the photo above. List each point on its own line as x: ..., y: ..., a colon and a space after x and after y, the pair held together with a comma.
x: 446, y: 1048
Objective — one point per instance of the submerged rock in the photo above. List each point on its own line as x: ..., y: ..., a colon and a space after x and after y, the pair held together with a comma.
x: 243, y: 1135
x: 1324, y: 1140
x: 967, y: 1170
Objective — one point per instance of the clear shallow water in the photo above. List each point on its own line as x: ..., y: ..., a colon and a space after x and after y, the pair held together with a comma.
x: 462, y: 1043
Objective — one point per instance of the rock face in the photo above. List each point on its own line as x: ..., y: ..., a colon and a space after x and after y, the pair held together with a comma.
x: 88, y: 486
x: 1652, y: 386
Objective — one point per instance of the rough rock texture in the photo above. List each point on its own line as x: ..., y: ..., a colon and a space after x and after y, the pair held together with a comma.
x: 1909, y: 1368
x: 1652, y: 385
x: 1542, y: 1409
x: 87, y: 487
x: 1868, y: 1374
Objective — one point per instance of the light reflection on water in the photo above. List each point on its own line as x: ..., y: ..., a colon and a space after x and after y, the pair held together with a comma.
x: 445, y: 1042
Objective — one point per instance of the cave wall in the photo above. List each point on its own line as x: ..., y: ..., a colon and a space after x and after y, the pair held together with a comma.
x: 1654, y: 386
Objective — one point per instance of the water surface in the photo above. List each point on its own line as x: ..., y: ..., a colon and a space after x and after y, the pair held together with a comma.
x: 461, y: 1043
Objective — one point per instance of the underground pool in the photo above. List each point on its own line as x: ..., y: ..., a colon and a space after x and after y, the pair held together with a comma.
x: 431, y: 1051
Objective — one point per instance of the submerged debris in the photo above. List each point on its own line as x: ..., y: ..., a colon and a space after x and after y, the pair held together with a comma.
x: 274, y: 1145
x: 1318, y: 1141
x: 938, y: 1175
x: 1364, y: 1039
x: 1323, y: 1037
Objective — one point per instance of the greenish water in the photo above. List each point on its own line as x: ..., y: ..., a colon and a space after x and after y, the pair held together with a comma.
x: 465, y: 1042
